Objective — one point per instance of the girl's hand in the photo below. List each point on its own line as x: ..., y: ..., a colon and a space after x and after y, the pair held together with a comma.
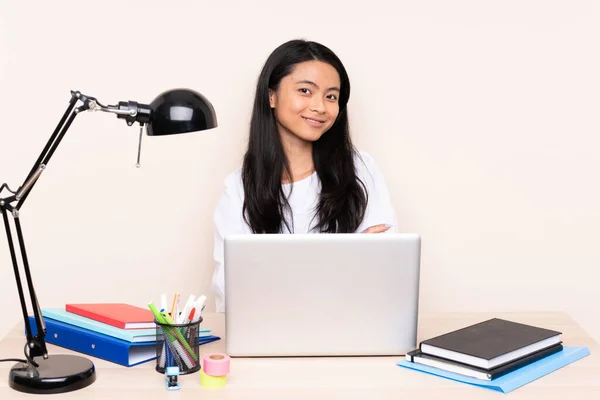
x: 377, y: 228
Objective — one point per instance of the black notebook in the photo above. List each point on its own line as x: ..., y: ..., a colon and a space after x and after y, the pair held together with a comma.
x: 491, y: 343
x: 419, y: 357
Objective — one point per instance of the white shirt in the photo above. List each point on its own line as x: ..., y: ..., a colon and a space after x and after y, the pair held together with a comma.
x: 228, y: 218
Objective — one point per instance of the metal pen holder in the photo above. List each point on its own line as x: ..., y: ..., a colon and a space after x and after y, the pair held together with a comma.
x: 178, y: 345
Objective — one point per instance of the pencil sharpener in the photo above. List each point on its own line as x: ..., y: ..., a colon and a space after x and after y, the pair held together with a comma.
x: 172, y: 374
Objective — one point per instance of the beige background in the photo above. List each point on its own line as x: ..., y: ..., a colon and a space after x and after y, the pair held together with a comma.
x: 483, y: 116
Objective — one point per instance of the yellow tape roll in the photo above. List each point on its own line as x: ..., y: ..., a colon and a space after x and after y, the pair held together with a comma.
x: 212, y: 382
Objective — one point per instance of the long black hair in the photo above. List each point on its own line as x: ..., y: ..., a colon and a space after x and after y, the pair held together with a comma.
x: 343, y: 197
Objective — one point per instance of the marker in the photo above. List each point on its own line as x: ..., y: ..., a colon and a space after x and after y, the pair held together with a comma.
x: 157, y: 315
x: 163, y: 302
x: 186, y: 310
x: 190, y: 316
x: 201, y: 301
x: 199, y: 307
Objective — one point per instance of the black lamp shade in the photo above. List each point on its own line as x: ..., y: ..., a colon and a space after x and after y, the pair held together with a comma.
x: 180, y: 111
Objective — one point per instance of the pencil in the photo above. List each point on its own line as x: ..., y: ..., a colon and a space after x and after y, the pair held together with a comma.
x: 174, y: 307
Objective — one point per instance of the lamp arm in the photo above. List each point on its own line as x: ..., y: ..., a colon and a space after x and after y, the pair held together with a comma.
x: 13, y: 257
x: 44, y: 157
x: 131, y: 112
x: 36, y: 344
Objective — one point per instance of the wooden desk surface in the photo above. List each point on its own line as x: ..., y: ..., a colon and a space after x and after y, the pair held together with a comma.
x: 330, y: 378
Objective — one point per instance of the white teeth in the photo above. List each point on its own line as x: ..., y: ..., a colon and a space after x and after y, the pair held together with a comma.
x: 313, y: 120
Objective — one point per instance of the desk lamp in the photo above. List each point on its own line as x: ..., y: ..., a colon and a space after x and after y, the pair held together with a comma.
x: 172, y: 112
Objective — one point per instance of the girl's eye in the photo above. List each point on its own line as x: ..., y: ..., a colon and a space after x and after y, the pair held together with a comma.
x: 332, y: 97
x: 305, y: 90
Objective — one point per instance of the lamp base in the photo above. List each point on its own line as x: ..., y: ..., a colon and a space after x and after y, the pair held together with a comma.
x: 57, y: 374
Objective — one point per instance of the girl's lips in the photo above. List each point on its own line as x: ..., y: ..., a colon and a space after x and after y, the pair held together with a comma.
x: 314, y: 122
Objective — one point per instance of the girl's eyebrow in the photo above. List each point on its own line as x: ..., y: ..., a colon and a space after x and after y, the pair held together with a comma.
x: 317, y: 86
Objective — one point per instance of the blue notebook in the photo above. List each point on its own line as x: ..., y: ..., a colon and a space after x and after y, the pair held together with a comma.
x: 129, y: 335
x: 99, y: 345
x: 516, y: 379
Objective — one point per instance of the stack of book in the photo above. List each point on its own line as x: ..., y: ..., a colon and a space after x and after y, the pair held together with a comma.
x: 116, y: 332
x: 487, y: 350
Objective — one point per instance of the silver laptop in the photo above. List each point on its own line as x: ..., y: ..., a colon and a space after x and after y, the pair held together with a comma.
x: 321, y: 295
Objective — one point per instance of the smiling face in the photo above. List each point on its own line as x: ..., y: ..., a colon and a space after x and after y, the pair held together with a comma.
x: 306, y: 103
